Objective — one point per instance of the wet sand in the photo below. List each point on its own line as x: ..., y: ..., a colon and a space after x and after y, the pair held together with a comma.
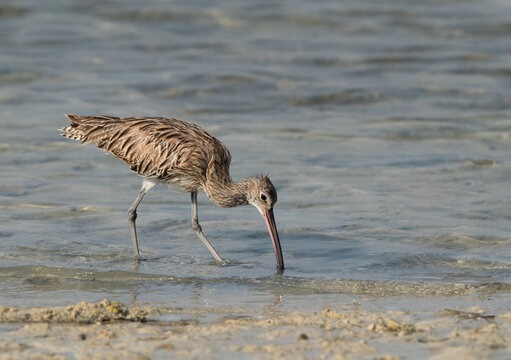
x: 112, y: 330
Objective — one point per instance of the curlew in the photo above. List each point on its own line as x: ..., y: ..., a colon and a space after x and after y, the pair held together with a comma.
x: 183, y: 156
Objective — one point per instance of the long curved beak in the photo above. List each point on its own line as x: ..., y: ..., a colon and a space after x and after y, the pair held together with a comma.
x: 272, y: 229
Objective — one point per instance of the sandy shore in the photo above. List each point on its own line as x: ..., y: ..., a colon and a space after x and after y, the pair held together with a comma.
x: 111, y: 330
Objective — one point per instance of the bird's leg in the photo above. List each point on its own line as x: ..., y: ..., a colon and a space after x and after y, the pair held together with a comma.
x: 198, y: 229
x: 132, y: 213
x: 132, y: 216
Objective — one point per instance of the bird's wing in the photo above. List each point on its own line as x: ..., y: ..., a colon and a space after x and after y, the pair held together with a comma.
x: 169, y: 149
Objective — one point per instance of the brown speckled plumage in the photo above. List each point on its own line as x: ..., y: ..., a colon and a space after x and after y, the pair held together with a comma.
x: 180, y: 154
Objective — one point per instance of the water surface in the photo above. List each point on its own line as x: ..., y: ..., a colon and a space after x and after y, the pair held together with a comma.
x: 384, y: 126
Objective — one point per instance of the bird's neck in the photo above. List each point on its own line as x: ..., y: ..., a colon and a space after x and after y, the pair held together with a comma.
x: 227, y: 193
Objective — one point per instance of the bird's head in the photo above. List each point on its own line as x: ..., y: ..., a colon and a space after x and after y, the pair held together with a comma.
x: 262, y: 194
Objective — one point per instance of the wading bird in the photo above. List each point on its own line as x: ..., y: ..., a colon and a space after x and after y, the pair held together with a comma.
x: 181, y: 155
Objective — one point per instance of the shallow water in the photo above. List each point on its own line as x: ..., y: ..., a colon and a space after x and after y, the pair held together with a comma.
x: 384, y: 125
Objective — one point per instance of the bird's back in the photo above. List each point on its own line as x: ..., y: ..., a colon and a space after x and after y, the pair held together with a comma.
x: 173, y: 151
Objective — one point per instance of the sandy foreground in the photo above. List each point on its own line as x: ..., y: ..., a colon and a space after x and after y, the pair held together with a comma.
x: 112, y: 330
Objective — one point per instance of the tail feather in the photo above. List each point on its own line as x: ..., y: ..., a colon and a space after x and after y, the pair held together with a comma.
x: 71, y: 133
x: 75, y: 131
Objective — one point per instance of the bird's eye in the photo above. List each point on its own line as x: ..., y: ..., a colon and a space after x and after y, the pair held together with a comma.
x: 263, y: 197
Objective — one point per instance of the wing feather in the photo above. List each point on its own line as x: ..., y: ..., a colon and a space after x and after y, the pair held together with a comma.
x: 171, y: 150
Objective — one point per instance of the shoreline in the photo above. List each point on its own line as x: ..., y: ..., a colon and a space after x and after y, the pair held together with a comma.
x: 109, y: 329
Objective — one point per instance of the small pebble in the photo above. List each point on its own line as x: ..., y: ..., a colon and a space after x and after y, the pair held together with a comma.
x: 303, y: 336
